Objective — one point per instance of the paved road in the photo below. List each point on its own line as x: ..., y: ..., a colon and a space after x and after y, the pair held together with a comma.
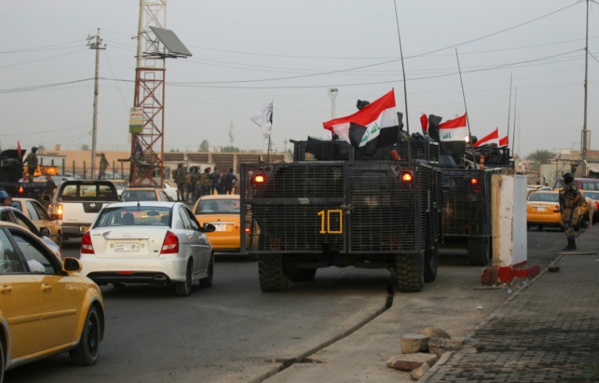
x: 232, y: 332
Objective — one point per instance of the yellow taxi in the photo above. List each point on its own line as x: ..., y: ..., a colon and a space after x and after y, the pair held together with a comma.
x: 542, y: 209
x: 223, y: 211
x: 46, y: 307
x: 34, y: 210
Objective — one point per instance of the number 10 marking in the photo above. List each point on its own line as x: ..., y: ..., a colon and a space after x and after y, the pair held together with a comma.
x: 325, y: 221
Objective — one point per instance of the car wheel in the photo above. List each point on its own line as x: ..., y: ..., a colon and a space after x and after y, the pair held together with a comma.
x: 1, y: 362
x: 59, y: 239
x: 207, y: 282
x: 184, y: 288
x: 86, y: 352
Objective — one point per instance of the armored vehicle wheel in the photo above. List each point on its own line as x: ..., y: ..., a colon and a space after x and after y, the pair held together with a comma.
x: 271, y: 273
x: 479, y: 251
x: 301, y: 275
x: 431, y: 263
x: 409, y: 272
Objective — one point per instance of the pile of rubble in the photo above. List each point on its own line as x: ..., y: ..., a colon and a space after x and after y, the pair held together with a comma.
x: 419, y: 352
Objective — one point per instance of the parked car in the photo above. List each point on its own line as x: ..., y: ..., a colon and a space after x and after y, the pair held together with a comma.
x: 39, y: 216
x: 170, y: 188
x: 223, y: 211
x: 542, y: 209
x: 148, y: 242
x: 46, y: 307
x: 76, y: 204
x: 12, y: 215
x: 144, y: 194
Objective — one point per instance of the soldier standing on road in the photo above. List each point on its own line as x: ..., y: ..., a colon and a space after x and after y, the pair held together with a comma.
x: 205, y: 182
x: 179, y: 178
x: 215, y: 181
x: 195, y: 180
x: 31, y: 161
x: 569, y: 199
x: 230, y: 180
x: 50, y: 186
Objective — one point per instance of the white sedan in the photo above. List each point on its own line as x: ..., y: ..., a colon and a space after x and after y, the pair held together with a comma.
x: 148, y: 242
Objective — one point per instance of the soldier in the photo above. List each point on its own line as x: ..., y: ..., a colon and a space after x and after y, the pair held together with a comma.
x: 189, y: 186
x: 195, y: 180
x: 569, y: 200
x: 31, y: 161
x: 215, y: 181
x: 179, y: 178
x: 205, y: 182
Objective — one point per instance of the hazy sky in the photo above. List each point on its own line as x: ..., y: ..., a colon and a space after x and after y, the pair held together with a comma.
x: 248, y: 52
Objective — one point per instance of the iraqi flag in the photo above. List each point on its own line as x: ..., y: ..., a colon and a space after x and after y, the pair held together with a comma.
x: 453, y: 130
x: 424, y: 123
x: 372, y: 127
x: 503, y: 142
x: 489, y: 139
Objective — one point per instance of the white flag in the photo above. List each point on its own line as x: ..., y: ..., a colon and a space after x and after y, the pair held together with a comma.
x: 264, y: 120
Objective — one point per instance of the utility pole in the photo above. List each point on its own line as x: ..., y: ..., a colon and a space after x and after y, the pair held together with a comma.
x: 584, y: 141
x: 95, y: 42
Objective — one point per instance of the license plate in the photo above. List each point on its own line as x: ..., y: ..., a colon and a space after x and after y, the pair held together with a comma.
x: 220, y: 226
x: 541, y: 208
x: 126, y: 247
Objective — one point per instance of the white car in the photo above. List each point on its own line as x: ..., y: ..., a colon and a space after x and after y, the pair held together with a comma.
x: 148, y: 242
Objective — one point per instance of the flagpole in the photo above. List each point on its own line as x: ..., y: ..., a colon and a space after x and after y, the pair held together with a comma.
x: 509, y: 107
x: 405, y: 88
x: 515, y: 113
x: 465, y: 107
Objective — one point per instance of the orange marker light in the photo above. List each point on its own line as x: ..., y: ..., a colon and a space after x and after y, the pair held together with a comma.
x: 473, y: 181
x: 406, y: 177
x: 259, y: 179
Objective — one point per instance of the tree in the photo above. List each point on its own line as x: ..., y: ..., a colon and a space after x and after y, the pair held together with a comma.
x: 229, y: 149
x: 85, y: 147
x: 204, y: 146
x: 541, y: 156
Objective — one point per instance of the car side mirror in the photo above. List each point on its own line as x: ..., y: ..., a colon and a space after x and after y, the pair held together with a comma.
x: 208, y: 228
x: 71, y: 265
x: 44, y: 231
x: 46, y: 198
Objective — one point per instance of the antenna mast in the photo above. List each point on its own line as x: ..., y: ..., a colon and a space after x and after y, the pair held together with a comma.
x: 147, y: 141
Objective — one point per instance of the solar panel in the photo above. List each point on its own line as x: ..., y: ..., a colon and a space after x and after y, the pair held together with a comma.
x: 171, y: 42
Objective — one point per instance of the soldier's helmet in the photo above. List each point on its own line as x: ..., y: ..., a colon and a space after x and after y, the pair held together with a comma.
x: 568, y: 177
x: 180, y: 165
x: 3, y: 195
x: 34, y: 149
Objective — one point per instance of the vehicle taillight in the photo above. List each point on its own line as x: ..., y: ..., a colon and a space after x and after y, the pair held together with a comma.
x: 59, y: 210
x: 597, y: 205
x: 556, y: 209
x: 259, y: 179
x: 21, y: 190
x: 473, y: 181
x: 86, y: 244
x: 170, y: 244
x: 407, y: 177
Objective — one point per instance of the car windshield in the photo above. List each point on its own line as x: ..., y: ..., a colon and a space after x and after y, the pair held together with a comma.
x: 544, y: 197
x: 591, y: 195
x: 139, y: 195
x: 134, y: 216
x: 212, y: 206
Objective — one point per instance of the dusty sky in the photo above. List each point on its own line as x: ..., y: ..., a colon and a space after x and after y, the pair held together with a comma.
x: 248, y: 52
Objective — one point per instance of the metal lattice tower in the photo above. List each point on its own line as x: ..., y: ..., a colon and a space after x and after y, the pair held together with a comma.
x: 147, y: 145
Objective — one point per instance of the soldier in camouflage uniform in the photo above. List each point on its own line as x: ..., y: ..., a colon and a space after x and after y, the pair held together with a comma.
x: 179, y: 178
x: 569, y: 200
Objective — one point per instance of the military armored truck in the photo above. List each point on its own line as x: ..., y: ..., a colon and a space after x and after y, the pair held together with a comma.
x: 330, y: 207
